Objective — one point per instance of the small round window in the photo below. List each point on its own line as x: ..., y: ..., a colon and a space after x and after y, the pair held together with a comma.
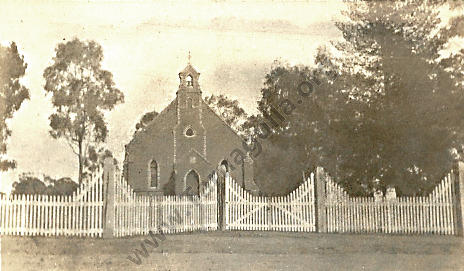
x: 189, y: 132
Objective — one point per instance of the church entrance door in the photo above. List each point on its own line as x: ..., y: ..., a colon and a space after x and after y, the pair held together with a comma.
x: 192, y: 180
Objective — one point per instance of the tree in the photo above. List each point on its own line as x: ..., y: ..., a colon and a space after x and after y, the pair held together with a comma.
x: 381, y: 110
x: 145, y: 119
x: 29, y: 185
x: 295, y: 135
x: 12, y: 95
x: 64, y: 186
x: 385, y: 106
x: 405, y: 129
x: 81, y: 92
x: 95, y: 159
x: 32, y: 185
x: 231, y: 112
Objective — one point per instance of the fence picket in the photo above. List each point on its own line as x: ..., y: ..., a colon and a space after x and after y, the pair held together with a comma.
x: 82, y: 212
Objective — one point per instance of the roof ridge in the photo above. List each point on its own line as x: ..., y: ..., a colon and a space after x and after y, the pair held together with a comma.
x: 144, y: 130
x: 225, y: 123
x: 162, y: 111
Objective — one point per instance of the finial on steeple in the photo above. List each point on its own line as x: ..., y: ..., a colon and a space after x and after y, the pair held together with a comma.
x: 189, y: 58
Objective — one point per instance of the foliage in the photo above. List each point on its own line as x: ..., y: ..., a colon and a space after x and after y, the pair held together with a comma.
x: 407, y: 108
x: 384, y: 107
x: 170, y: 187
x: 12, y: 94
x: 95, y: 159
x: 231, y: 112
x: 292, y: 143
x: 145, y: 119
x: 81, y: 92
x: 31, y: 185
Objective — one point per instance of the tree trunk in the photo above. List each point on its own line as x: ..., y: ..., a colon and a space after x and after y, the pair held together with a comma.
x: 80, y: 162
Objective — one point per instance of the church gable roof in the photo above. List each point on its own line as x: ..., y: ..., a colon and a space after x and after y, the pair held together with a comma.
x: 189, y: 69
x: 212, y: 112
x: 166, y: 119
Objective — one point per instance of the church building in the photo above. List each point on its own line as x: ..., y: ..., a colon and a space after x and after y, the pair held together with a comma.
x: 183, y: 145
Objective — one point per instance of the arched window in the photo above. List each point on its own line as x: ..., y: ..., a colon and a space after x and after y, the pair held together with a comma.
x: 189, y: 103
x: 154, y: 174
x: 189, y: 81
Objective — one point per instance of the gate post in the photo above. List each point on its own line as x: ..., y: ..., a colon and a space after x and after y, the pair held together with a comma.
x: 459, y: 200
x: 108, y: 197
x: 321, y: 216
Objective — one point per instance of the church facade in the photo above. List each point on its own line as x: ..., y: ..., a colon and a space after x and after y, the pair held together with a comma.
x: 183, y: 145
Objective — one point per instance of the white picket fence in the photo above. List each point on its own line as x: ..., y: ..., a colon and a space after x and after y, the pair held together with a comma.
x: 431, y: 214
x: 138, y: 214
x: 84, y: 212
x: 80, y: 214
x: 294, y: 212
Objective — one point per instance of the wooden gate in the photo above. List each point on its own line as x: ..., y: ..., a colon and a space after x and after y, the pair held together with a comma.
x: 294, y: 212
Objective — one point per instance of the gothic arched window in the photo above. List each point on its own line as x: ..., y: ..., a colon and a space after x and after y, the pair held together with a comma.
x: 154, y: 174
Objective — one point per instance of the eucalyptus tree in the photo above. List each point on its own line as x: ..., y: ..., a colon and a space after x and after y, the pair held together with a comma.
x: 81, y: 93
x: 12, y: 95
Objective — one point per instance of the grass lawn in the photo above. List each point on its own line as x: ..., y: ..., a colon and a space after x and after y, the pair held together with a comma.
x: 238, y: 251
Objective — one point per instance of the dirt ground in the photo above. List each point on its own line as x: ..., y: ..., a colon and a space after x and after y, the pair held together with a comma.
x: 238, y: 251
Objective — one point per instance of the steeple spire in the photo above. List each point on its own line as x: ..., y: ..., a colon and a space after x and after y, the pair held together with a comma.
x: 189, y: 77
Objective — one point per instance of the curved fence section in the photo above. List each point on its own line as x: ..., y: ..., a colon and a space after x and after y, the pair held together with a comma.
x: 79, y: 214
x: 432, y: 214
x: 294, y: 212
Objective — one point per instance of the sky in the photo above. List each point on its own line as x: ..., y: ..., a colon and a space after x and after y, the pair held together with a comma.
x: 146, y: 45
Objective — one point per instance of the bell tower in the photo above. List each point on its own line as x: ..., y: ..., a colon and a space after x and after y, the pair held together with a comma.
x: 189, y: 132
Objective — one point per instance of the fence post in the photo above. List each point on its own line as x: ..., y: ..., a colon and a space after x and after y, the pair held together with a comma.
x: 459, y: 200
x: 321, y: 216
x: 108, y: 197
